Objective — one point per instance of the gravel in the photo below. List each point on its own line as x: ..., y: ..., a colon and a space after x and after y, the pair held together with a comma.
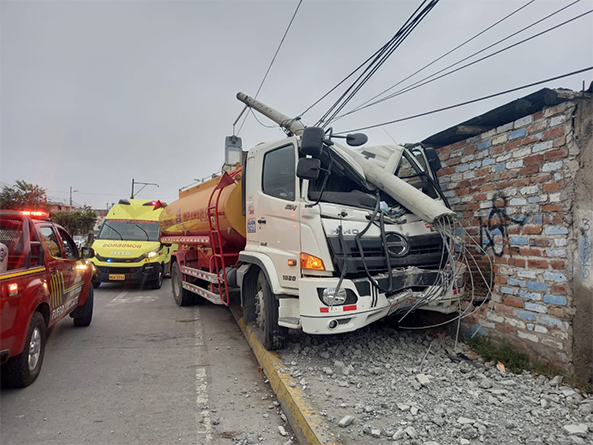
x: 380, y: 385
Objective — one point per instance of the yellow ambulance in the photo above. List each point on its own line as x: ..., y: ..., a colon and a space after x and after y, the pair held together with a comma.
x: 127, y: 247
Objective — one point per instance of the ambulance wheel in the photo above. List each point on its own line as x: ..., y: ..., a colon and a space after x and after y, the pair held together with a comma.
x: 182, y: 296
x: 23, y: 369
x: 84, y: 314
x: 156, y: 284
x: 266, y: 314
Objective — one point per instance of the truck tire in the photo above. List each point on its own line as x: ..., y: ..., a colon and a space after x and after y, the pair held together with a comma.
x: 266, y: 311
x: 23, y: 369
x: 182, y: 296
x: 84, y: 314
x: 156, y: 284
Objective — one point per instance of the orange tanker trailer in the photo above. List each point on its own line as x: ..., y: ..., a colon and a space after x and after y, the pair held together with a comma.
x: 208, y: 223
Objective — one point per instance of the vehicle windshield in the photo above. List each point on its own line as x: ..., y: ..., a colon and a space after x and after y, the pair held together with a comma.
x: 414, y: 175
x: 129, y: 229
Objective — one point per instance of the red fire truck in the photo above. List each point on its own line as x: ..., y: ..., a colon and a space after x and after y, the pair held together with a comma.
x: 43, y: 278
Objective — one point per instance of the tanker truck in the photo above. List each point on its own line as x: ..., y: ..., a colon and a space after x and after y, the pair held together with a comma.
x: 316, y: 236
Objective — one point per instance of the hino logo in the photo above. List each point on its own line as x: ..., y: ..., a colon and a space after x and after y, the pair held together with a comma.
x: 120, y: 253
x: 397, y: 245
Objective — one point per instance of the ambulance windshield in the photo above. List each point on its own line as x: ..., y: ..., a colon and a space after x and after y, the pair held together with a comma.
x: 130, y: 230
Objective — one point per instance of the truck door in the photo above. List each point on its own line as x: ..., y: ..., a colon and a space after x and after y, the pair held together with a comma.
x: 60, y: 269
x: 276, y: 210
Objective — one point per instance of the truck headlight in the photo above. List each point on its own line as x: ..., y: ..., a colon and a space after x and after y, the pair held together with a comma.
x: 333, y: 298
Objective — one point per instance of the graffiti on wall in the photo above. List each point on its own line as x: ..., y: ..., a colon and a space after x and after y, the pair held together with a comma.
x: 494, y: 231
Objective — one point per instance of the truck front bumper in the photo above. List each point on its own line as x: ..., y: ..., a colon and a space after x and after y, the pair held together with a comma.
x: 413, y: 289
x: 145, y: 273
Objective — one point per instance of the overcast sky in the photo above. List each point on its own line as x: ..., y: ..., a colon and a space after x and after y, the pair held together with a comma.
x: 95, y: 93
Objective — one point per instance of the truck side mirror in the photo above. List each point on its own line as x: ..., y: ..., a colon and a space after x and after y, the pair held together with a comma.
x: 308, y: 168
x: 87, y: 252
x: 312, y: 141
x: 433, y: 158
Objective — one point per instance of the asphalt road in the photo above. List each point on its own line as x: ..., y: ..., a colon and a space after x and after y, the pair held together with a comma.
x: 145, y: 371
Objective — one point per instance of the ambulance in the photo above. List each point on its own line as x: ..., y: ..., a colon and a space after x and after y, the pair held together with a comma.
x: 127, y: 248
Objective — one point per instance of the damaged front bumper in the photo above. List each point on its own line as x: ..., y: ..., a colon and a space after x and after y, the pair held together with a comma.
x: 412, y: 288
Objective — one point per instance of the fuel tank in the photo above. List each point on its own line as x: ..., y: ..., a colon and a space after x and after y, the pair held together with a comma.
x: 189, y: 214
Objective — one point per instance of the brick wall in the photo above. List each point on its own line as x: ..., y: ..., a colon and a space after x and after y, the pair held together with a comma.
x: 513, y: 189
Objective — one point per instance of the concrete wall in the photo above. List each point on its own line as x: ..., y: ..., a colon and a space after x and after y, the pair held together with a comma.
x: 521, y: 189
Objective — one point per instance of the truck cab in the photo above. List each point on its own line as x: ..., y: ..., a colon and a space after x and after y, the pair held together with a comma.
x: 43, y: 278
x: 336, y: 252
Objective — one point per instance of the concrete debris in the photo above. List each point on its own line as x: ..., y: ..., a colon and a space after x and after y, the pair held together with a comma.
x: 423, y: 379
x: 282, y: 431
x: 556, y: 380
x: 384, y: 380
x: 346, y: 421
x: 580, y: 429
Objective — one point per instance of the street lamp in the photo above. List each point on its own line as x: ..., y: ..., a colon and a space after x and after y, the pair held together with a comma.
x: 71, y: 191
x: 142, y: 183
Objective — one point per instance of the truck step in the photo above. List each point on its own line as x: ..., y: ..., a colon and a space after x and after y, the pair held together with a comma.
x: 210, y: 296
x: 207, y: 276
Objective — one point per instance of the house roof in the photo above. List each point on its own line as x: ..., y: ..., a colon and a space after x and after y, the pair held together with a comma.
x: 510, y: 112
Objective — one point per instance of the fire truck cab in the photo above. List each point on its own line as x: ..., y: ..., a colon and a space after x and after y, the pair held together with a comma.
x: 43, y: 278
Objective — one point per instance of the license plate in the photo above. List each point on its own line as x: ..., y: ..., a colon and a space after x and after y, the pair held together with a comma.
x: 117, y: 276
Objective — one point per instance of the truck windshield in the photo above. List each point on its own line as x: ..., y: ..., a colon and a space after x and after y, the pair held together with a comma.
x: 130, y: 230
x: 415, y: 173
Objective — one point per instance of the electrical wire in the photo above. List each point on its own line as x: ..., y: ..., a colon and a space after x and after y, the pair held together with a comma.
x: 447, y: 53
x: 372, y: 68
x: 273, y: 59
x: 429, y: 79
x: 490, y: 96
x: 358, y: 68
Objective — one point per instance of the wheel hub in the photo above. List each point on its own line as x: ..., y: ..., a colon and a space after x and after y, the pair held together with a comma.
x: 34, y: 349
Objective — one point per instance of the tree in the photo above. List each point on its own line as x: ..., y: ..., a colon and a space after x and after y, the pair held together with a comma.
x: 23, y: 196
x: 77, y: 222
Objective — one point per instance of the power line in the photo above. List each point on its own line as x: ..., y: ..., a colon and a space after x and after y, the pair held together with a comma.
x: 424, y: 81
x: 469, y: 101
x: 446, y: 54
x: 273, y: 59
x: 386, y: 52
x: 359, y: 67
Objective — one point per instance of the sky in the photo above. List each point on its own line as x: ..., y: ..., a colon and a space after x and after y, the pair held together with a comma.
x: 96, y: 93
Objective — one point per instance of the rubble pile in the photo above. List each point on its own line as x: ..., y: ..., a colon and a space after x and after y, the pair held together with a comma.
x: 382, y: 385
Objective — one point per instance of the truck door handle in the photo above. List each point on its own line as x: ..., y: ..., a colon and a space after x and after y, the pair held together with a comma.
x: 261, y: 221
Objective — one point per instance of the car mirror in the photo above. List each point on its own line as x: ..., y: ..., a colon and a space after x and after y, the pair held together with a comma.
x: 308, y: 168
x: 312, y: 141
x: 433, y: 158
x: 87, y: 252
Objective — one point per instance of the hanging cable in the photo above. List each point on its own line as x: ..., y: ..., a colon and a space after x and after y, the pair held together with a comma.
x: 446, y: 54
x: 424, y: 81
x: 273, y: 58
x: 469, y: 101
x: 389, y: 48
x: 359, y: 67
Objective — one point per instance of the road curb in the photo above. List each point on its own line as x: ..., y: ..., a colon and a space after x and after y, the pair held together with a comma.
x: 309, y: 427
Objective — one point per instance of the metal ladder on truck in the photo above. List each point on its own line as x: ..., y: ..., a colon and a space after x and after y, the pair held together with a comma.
x: 217, y: 260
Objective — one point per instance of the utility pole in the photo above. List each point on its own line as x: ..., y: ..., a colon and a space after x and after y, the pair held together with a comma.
x: 142, y: 183
x: 71, y: 191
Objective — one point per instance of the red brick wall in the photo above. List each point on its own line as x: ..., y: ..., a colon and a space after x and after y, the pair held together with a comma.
x: 512, y: 188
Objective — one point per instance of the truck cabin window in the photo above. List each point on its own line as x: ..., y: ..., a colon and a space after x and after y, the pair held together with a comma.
x: 11, y: 244
x: 414, y: 176
x: 279, y: 178
x: 69, y: 246
x: 51, y: 241
x: 129, y: 230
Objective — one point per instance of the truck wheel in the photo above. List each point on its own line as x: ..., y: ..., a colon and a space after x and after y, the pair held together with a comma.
x: 84, y: 315
x: 182, y: 296
x: 156, y: 284
x: 23, y: 369
x: 266, y: 310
